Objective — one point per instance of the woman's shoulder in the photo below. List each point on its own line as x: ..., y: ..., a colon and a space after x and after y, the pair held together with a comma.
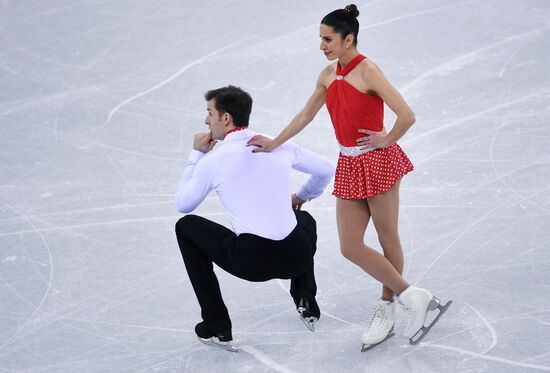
x: 328, y: 70
x: 369, y: 69
x: 327, y: 74
x: 368, y: 65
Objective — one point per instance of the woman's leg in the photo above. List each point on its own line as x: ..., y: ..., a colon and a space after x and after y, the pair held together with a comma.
x: 352, y: 218
x: 384, y: 210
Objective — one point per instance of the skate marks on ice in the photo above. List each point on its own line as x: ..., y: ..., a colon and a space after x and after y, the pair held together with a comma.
x: 172, y: 77
x: 482, y: 355
x: 477, y: 355
x: 265, y: 359
x: 49, y: 286
x: 256, y: 353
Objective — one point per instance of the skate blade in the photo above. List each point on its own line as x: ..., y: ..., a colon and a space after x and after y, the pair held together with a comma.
x: 366, y: 347
x: 215, y: 342
x: 309, y: 322
x: 434, y: 305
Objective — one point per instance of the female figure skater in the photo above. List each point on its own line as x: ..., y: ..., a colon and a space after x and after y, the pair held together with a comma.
x: 369, y: 171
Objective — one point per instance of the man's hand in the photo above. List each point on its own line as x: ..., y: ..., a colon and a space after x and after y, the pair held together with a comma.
x: 203, y: 142
x: 297, y: 202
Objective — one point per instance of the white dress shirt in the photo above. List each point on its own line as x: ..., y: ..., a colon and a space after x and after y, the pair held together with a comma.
x: 254, y: 188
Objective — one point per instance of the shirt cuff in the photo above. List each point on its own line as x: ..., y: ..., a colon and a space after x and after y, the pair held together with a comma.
x: 195, y: 156
x: 303, y: 195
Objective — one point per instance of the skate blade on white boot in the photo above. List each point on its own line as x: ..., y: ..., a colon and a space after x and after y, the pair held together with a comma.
x: 215, y: 342
x: 435, y: 304
x: 367, y: 347
x: 309, y: 322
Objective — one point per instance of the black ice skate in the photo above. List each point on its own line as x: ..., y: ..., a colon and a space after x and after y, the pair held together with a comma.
x: 220, y: 340
x: 309, y: 312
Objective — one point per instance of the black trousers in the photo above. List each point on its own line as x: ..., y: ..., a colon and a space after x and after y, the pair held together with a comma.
x: 247, y: 256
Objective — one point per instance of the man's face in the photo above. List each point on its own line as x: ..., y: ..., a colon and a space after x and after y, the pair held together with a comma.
x: 217, y: 123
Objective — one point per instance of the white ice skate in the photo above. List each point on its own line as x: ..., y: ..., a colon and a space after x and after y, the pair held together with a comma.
x: 215, y: 342
x: 418, y: 302
x: 381, y: 325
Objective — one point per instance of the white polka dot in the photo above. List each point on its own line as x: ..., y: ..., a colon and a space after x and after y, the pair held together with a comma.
x: 370, y: 173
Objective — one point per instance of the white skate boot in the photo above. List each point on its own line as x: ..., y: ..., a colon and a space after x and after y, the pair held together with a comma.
x: 418, y: 302
x: 381, y: 325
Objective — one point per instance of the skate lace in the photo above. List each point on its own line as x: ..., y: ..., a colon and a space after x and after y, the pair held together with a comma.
x: 378, y: 318
x: 411, y: 316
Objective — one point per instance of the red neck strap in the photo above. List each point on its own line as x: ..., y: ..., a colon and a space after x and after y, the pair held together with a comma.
x: 235, y: 130
x: 350, y: 66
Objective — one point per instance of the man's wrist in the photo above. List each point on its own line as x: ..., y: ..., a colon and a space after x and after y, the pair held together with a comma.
x: 302, y: 197
x: 195, y: 155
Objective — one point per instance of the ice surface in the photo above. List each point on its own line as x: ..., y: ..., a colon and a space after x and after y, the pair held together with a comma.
x: 98, y: 106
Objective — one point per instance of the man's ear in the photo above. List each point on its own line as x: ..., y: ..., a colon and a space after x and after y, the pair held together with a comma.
x: 227, y: 118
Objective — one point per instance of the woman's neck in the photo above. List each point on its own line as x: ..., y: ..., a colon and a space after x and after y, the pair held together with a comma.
x: 349, y: 55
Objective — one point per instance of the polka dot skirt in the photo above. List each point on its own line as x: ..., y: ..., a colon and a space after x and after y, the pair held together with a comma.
x: 371, y: 173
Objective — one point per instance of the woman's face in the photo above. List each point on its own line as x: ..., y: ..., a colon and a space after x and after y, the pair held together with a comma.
x: 332, y: 43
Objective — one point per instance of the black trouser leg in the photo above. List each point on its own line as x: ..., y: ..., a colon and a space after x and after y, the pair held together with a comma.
x: 247, y: 256
x: 202, y: 242
x: 304, y: 285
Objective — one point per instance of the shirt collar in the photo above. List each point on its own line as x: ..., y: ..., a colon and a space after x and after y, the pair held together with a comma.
x: 239, y: 135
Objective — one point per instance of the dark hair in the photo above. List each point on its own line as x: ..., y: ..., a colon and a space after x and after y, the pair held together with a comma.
x: 344, y: 21
x: 232, y: 100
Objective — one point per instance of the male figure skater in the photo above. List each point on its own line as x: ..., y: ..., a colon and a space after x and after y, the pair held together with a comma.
x: 270, y: 236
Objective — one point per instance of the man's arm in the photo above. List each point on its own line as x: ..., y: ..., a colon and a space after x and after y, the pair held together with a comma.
x: 196, y: 181
x: 321, y: 171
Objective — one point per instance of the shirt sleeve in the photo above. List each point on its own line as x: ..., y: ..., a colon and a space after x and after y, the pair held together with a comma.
x: 321, y: 171
x: 195, y: 183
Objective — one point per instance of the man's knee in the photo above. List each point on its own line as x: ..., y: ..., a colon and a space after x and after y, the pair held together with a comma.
x: 185, y: 223
x: 186, y: 227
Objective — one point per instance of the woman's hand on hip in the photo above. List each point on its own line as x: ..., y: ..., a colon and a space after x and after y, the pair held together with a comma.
x: 372, y: 139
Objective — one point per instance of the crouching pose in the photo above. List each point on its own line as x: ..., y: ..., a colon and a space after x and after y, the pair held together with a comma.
x: 270, y: 236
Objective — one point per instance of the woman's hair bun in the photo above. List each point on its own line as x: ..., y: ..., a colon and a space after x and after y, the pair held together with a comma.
x: 352, y: 9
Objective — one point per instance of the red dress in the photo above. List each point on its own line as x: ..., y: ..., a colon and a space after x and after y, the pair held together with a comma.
x: 376, y: 171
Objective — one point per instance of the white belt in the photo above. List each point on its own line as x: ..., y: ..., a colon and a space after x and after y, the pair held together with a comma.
x: 353, y: 151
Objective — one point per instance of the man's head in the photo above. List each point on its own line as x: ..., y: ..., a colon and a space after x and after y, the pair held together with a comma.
x: 228, y: 107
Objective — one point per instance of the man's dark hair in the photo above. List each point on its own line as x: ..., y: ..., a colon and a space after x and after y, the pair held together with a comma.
x: 232, y: 100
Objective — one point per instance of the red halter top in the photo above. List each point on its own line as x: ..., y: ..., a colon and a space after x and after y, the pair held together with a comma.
x: 351, y: 109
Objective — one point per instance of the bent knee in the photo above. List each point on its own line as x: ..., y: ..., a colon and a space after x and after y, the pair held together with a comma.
x: 390, y: 241
x: 185, y: 223
x: 349, y: 251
